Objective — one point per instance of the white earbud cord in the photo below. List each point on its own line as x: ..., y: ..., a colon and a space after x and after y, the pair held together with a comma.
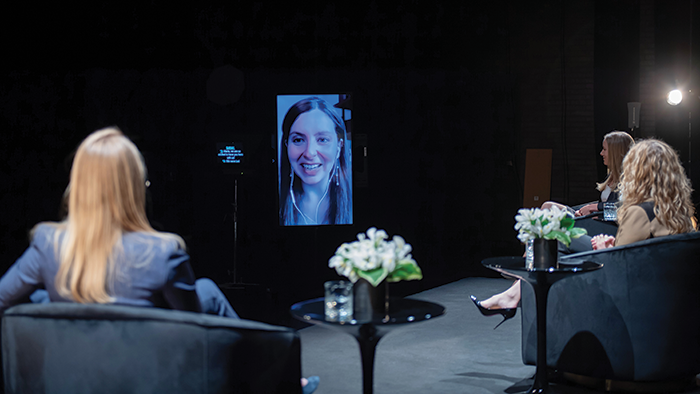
x: 307, y: 219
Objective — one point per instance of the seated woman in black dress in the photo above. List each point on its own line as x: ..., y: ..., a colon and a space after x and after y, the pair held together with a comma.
x: 105, y: 251
x: 656, y: 201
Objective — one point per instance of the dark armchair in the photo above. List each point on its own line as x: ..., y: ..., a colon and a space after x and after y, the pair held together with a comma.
x: 635, y: 320
x: 75, y: 348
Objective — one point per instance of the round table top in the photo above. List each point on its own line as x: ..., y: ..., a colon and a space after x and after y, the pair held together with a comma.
x: 401, y: 311
x: 518, y: 264
x: 515, y: 266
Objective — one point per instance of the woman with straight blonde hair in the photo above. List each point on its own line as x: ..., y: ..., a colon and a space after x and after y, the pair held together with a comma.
x: 105, y: 251
x: 656, y: 196
x: 616, y: 144
x: 615, y: 147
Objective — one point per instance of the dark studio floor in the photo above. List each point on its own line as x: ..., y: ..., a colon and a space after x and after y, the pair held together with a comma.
x: 456, y: 353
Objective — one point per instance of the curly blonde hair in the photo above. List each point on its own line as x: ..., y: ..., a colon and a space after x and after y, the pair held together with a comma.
x: 619, y: 143
x: 653, y: 171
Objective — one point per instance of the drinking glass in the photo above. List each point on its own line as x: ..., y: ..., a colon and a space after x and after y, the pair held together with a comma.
x: 339, y: 301
x: 530, y: 254
x: 610, y: 211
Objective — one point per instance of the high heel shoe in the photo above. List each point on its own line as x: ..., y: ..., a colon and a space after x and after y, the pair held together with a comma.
x: 507, y: 313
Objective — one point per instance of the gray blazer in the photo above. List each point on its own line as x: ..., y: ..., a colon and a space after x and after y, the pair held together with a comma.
x: 151, y: 271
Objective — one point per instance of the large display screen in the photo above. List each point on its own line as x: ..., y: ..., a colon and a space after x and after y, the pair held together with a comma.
x: 314, y: 159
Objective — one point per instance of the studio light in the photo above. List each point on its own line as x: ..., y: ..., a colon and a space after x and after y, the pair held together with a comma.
x: 674, y: 97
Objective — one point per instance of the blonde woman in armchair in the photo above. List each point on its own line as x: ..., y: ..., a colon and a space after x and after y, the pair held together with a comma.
x: 616, y: 144
x: 105, y: 251
x: 655, y: 196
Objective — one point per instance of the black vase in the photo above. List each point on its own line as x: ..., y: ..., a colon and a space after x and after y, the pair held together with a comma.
x: 545, y: 254
x: 370, y: 302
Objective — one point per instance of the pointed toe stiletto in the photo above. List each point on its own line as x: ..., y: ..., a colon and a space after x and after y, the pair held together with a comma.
x: 507, y: 313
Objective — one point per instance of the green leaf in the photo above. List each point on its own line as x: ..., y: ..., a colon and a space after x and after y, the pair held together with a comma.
x: 405, y: 271
x: 577, y: 232
x: 375, y: 276
x: 568, y: 222
x: 559, y: 236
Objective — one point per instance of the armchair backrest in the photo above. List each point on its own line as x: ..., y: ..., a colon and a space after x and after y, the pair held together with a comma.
x: 635, y: 319
x: 77, y: 348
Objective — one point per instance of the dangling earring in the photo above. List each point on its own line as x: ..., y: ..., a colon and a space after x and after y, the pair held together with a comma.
x: 291, y: 182
x: 337, y: 175
x: 337, y: 164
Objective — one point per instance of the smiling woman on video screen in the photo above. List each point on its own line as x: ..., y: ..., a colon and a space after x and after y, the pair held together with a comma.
x: 315, y: 175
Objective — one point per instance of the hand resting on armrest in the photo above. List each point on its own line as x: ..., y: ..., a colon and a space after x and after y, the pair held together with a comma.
x: 602, y: 241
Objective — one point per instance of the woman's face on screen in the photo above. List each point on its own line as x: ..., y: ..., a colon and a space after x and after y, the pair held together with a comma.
x: 313, y: 147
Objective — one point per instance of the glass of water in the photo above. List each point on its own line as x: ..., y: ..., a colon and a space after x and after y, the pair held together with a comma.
x: 338, y: 301
x: 530, y: 254
x: 609, y: 211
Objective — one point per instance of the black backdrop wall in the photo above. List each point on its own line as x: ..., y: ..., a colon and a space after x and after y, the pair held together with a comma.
x: 436, y: 92
x: 437, y: 115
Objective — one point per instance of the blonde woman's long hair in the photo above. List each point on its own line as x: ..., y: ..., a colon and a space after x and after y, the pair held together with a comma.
x: 653, y: 171
x: 619, y: 143
x: 106, y: 198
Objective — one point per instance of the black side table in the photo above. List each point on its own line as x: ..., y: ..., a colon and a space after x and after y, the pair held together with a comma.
x: 541, y: 280
x: 402, y: 311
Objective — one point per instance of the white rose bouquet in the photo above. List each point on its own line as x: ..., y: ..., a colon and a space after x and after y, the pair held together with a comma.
x: 374, y: 258
x: 551, y: 223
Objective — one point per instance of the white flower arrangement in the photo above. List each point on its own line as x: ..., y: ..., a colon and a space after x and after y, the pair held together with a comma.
x: 551, y: 223
x: 374, y: 259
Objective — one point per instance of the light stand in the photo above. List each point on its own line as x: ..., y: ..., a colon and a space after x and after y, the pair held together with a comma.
x: 674, y: 98
x: 633, y: 116
x: 690, y: 142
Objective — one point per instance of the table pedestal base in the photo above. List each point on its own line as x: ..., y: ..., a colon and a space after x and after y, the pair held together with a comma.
x: 541, y: 384
x: 402, y: 311
x: 541, y: 279
x: 367, y: 339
